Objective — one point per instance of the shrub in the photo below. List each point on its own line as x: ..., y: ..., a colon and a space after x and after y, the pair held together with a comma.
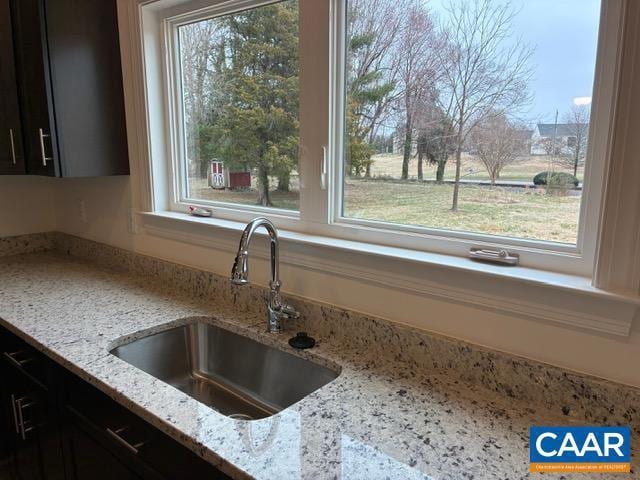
x: 556, y: 179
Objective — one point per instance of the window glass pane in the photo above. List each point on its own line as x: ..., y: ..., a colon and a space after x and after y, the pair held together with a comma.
x: 469, y: 115
x: 240, y: 106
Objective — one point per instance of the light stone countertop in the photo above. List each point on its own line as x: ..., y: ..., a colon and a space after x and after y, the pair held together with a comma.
x: 383, y: 417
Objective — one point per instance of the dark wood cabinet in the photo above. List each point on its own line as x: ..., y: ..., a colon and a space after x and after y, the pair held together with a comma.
x: 32, y: 447
x: 134, y: 447
x: 34, y: 87
x: 11, y: 151
x: 86, y: 84
x: 56, y: 426
x: 69, y: 86
x: 34, y: 450
x: 91, y: 460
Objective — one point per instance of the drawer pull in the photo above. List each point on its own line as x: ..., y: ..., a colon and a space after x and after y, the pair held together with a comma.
x: 12, y: 358
x: 22, y: 426
x: 115, y: 434
x: 15, y: 413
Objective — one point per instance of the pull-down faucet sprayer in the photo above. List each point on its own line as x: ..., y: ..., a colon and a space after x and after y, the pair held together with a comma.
x: 276, y: 310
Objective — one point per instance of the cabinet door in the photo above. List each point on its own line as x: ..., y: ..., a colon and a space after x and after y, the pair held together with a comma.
x: 11, y: 152
x: 20, y: 405
x: 86, y: 79
x: 34, y: 87
x: 91, y: 461
x: 35, y: 450
x: 30, y: 413
x: 119, y: 435
x: 6, y: 429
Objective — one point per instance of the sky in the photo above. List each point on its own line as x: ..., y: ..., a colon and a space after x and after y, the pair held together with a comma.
x: 564, y: 35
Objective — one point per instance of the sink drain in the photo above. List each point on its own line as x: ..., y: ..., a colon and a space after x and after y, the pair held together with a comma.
x: 241, y: 416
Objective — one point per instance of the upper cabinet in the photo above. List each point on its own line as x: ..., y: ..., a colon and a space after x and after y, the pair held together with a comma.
x: 69, y: 87
x: 11, y: 152
x: 34, y: 87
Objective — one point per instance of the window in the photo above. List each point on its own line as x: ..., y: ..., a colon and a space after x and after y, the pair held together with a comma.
x: 239, y: 92
x: 469, y: 115
x: 366, y: 126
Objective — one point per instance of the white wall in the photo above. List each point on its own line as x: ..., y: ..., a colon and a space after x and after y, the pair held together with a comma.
x: 27, y: 205
x: 95, y: 208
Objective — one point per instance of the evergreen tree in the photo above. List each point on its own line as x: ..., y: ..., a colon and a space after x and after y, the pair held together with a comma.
x: 437, y: 143
x: 369, y: 93
x: 255, y: 122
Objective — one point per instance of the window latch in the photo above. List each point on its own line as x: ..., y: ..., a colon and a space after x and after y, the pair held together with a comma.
x: 323, y: 169
x: 500, y: 256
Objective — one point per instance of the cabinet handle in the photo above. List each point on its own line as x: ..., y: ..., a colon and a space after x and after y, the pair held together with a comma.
x: 15, y: 413
x: 43, y: 154
x: 12, y: 358
x: 21, y: 423
x: 13, y: 146
x: 115, y: 434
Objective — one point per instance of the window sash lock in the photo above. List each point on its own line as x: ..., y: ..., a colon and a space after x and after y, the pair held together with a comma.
x: 497, y: 255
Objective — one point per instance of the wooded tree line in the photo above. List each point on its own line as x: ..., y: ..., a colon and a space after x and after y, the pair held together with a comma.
x: 440, y: 82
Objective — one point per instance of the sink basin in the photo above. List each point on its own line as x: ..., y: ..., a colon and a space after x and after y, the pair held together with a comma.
x: 235, y: 375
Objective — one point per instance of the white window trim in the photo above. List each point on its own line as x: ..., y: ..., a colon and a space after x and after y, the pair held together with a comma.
x: 576, y: 259
x: 577, y: 303
x: 567, y: 300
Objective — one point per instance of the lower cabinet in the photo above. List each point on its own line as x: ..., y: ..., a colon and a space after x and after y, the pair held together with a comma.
x: 32, y: 446
x: 54, y: 425
x: 92, y: 460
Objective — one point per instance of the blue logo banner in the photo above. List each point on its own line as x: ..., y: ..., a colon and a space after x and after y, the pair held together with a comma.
x: 565, y: 449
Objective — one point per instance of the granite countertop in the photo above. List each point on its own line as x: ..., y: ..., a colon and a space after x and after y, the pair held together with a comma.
x: 381, y: 418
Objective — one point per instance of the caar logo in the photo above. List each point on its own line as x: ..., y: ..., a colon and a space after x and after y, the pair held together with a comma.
x: 580, y: 449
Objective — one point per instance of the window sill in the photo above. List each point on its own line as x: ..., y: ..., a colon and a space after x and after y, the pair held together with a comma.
x: 567, y: 300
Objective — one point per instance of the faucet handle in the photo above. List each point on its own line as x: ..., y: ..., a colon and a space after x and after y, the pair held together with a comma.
x: 289, y: 312
x: 278, y: 313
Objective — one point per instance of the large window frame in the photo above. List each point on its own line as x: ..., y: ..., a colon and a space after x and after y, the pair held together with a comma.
x: 176, y: 125
x: 577, y: 259
x: 322, y: 146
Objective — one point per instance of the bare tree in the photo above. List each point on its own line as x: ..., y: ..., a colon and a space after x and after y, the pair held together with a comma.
x: 416, y: 72
x: 577, y: 125
x: 485, y: 72
x: 552, y: 146
x: 498, y: 143
x: 198, y: 56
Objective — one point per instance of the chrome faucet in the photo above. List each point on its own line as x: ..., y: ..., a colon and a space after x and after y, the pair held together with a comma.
x: 276, y: 310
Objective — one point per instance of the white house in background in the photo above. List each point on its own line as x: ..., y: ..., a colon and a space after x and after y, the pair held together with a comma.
x: 563, y: 135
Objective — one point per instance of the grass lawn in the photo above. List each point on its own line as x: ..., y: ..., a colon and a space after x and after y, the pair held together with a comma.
x: 514, y: 212
x: 523, y: 170
x: 199, y: 189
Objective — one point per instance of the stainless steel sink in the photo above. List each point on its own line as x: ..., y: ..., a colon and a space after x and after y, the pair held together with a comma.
x: 233, y: 374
